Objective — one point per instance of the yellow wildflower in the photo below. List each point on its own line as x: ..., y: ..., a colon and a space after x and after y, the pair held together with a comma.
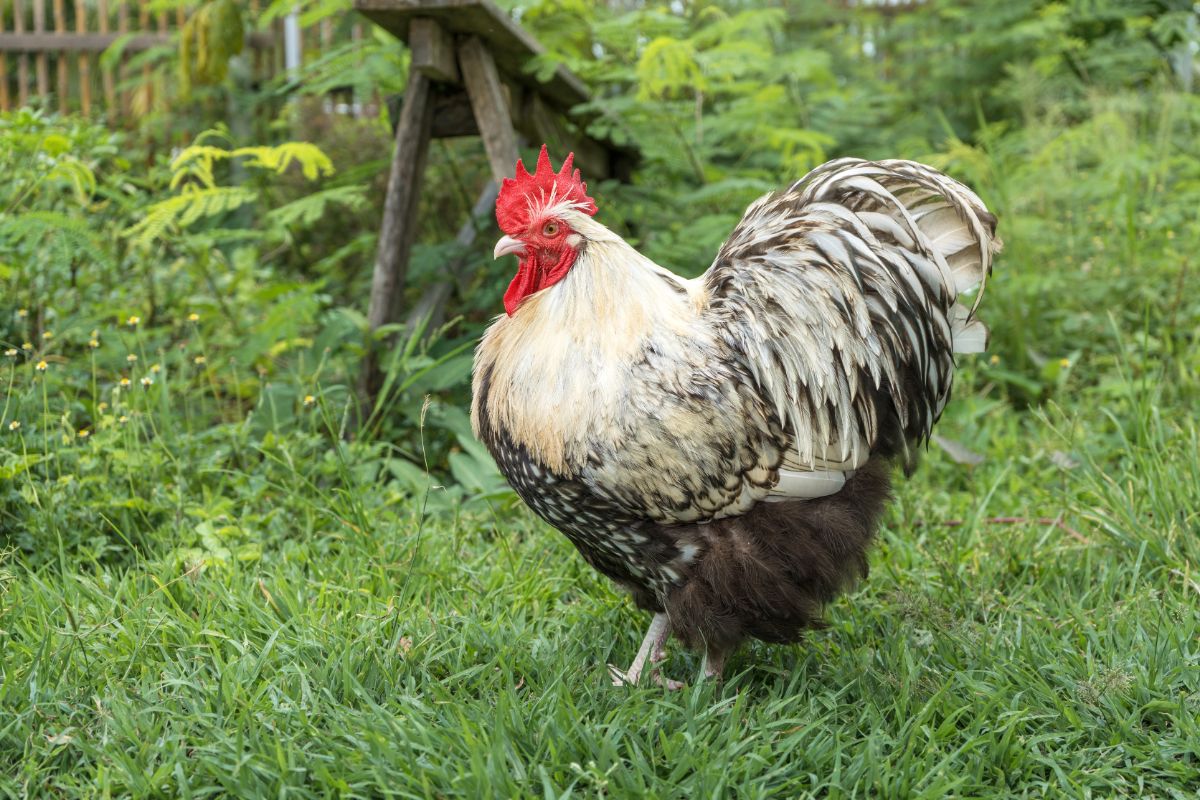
x: 131, y: 358
x: 133, y: 321
x: 147, y: 381
x: 199, y: 360
x: 41, y: 366
x: 27, y: 346
x: 22, y: 312
x: 11, y: 352
x: 47, y: 334
x: 84, y: 433
x: 994, y: 360
x: 122, y: 419
x: 156, y: 368
x: 1064, y: 362
x: 193, y: 317
x: 93, y: 343
x: 124, y: 382
x: 102, y: 407
x: 14, y: 425
x: 309, y: 400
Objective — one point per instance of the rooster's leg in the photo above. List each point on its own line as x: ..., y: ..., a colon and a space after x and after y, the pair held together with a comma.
x: 652, y: 650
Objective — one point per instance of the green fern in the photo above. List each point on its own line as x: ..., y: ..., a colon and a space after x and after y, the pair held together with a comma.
x: 311, y: 208
x: 194, y: 203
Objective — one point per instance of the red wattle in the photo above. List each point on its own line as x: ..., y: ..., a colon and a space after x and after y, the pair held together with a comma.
x: 522, y: 285
x: 530, y: 279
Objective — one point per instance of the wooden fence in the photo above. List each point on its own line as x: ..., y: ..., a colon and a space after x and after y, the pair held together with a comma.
x: 50, y: 51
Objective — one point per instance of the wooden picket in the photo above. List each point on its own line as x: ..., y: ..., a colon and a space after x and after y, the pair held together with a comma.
x: 50, y: 52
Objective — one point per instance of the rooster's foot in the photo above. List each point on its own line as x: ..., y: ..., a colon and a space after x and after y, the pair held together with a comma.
x: 653, y: 651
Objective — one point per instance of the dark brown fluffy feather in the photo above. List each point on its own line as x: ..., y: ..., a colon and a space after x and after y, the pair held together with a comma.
x: 768, y: 573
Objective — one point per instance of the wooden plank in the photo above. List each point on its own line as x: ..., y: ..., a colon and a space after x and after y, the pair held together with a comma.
x: 398, y: 229
x: 61, y: 86
x: 42, y: 59
x: 22, y: 59
x: 5, y: 100
x: 122, y: 75
x: 452, y: 115
x: 85, y: 61
x: 490, y: 105
x: 77, y: 42
x: 433, y: 51
x: 513, y: 47
x: 144, y: 90
x: 106, y: 76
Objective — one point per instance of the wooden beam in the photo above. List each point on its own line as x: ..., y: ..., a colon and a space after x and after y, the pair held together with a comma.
x: 22, y: 59
x: 433, y: 51
x: 99, y: 42
x: 43, y: 63
x: 61, y: 82
x: 4, y: 101
x: 452, y: 116
x: 398, y: 229
x: 512, y: 46
x: 106, y: 74
x: 85, y: 61
x: 490, y: 106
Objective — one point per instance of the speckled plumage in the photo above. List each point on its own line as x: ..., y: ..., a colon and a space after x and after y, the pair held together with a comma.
x: 719, y: 445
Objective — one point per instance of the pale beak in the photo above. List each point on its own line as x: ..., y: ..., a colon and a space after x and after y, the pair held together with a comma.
x: 509, y: 245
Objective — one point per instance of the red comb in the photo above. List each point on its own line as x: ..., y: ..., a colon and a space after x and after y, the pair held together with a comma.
x: 525, y: 192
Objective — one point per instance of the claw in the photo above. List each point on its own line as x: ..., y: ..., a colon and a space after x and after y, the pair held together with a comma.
x: 667, y: 683
x: 620, y: 677
x: 652, y: 649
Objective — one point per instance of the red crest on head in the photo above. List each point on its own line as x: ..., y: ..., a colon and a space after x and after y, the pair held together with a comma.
x: 520, y: 194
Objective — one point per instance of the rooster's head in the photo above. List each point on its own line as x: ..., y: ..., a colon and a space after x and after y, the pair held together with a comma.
x: 536, y: 213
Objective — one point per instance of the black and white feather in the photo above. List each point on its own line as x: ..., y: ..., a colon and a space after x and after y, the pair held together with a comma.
x: 841, y: 297
x: 719, y: 445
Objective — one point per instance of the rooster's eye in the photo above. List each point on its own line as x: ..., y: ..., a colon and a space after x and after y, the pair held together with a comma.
x: 550, y: 229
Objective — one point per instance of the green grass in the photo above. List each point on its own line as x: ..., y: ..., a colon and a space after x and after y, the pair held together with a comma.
x: 465, y: 657
x: 213, y: 594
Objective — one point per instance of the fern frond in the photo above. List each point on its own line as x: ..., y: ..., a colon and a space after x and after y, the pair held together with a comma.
x: 310, y: 209
x: 312, y: 160
x: 192, y: 204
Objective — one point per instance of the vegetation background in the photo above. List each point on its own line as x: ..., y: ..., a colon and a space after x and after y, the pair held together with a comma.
x: 208, y: 588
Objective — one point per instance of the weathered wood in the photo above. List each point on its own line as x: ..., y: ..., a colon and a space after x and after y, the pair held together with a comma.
x: 106, y: 76
x: 490, y: 105
x: 123, y: 28
x: 85, y: 61
x: 5, y: 101
x: 60, y: 28
x: 43, y: 63
x: 398, y: 230
x: 145, y: 89
x: 22, y: 59
x: 513, y: 47
x: 433, y: 51
x: 82, y: 42
x: 452, y: 114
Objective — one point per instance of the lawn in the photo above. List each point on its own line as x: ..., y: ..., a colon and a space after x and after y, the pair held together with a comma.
x: 218, y: 578
x: 466, y: 656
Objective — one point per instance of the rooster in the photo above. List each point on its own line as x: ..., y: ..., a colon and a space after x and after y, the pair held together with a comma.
x: 721, y: 446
